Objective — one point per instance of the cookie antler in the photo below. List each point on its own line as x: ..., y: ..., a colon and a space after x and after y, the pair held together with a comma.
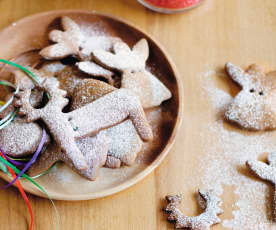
x: 55, y: 119
x: 266, y: 172
x: 211, y: 205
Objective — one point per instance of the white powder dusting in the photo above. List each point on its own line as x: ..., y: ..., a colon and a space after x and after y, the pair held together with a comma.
x: 226, y: 151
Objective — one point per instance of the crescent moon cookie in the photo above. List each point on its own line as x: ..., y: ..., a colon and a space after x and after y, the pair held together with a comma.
x: 254, y: 107
x: 124, y: 142
x: 132, y: 64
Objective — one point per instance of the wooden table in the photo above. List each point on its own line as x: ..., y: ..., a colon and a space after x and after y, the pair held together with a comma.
x: 218, y: 31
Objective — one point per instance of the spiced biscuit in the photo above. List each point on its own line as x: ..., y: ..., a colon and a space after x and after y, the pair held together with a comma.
x: 52, y: 67
x: 67, y: 42
x: 73, y: 42
x: 56, y: 121
x: 65, y: 128
x: 124, y: 142
x: 266, y: 172
x: 93, y: 148
x: 132, y: 64
x: 69, y: 78
x: 209, y: 202
x: 254, y: 107
x: 95, y: 70
x: 20, y: 138
x: 89, y: 90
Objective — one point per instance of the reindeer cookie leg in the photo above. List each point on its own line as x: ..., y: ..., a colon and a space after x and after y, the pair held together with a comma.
x: 94, y: 149
x: 266, y: 172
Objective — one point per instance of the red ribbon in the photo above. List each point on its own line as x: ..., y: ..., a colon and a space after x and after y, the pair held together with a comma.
x: 23, y: 194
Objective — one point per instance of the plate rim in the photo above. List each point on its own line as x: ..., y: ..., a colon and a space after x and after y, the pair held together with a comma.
x: 159, y: 159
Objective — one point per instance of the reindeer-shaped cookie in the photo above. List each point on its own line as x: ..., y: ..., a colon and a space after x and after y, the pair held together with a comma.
x: 255, y: 106
x: 208, y: 201
x: 65, y: 128
x: 132, y: 64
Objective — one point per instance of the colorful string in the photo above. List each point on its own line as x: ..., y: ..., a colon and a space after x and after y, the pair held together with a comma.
x: 20, y: 188
x: 28, y: 165
x: 7, y: 164
x: 3, y: 160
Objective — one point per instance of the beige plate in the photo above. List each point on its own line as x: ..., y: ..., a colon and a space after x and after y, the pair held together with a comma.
x: 61, y: 183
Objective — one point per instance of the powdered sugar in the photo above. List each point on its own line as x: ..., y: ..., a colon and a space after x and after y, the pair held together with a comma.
x: 226, y: 151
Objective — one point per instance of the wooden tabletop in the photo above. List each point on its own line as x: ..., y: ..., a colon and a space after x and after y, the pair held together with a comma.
x: 201, y: 39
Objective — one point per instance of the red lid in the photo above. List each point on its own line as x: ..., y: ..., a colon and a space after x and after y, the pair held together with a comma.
x: 173, y: 4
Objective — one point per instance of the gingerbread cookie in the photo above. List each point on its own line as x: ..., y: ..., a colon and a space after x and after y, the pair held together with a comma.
x: 207, y: 200
x: 107, y: 111
x: 73, y: 42
x: 255, y: 106
x: 123, y: 139
x: 124, y: 144
x: 68, y: 42
x: 93, y: 148
x: 92, y: 43
x: 54, y: 119
x: 24, y: 82
x: 89, y: 90
x: 69, y: 78
x: 20, y: 138
x: 135, y: 77
x: 95, y: 70
x: 53, y: 67
x: 266, y: 172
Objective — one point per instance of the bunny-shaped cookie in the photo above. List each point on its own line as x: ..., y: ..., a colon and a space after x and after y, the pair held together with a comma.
x: 254, y: 107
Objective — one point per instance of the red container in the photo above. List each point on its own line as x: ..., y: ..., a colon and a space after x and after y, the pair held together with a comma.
x: 170, y: 6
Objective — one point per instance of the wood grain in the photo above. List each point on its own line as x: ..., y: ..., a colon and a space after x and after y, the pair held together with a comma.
x: 203, y: 39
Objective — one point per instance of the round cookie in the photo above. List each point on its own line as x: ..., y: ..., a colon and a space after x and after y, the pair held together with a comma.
x: 89, y: 90
x: 69, y: 78
x: 20, y: 138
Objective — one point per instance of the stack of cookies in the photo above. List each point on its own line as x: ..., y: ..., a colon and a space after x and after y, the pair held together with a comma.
x: 91, y: 99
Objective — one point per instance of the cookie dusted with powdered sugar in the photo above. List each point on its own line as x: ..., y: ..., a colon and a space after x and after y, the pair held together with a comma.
x: 74, y: 42
x: 132, y: 64
x: 254, y: 107
x: 93, y: 148
x: 266, y: 172
x: 124, y: 142
x: 209, y: 202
